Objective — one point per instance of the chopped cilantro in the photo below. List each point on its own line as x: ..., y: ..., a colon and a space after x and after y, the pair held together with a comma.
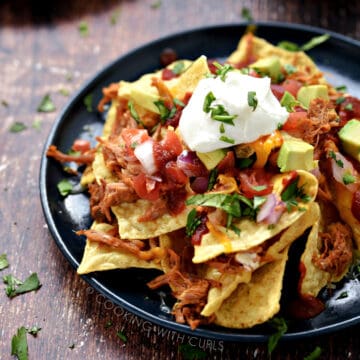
x: 64, y: 92
x: 19, y: 345
x: 315, y: 354
x: 3, y: 262
x: 222, y: 70
x: 83, y: 28
x: 342, y: 295
x: 338, y: 162
x: 348, y: 107
x: 178, y: 68
x: 227, y: 139
x: 315, y: 41
x: 222, y: 128
x: 292, y: 194
x: 246, y: 14
x: 114, y: 17
x: 212, y: 178
x: 290, y: 69
x: 65, y: 187
x: 88, y: 99
x: 16, y: 287
x: 36, y: 124
x: 17, y: 127
x: 156, y: 4
x: 281, y: 328
x: 209, y: 98
x: 252, y: 99
x: 341, y: 88
x: 133, y: 112
x: 189, y: 352
x: 46, y: 104
x: 289, y: 102
x: 348, y: 179
x: 122, y: 336
x: 165, y: 113
x: 178, y: 102
x: 193, y: 222
x: 339, y: 100
x: 34, y: 330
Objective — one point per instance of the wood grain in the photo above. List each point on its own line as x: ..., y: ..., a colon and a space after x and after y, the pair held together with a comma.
x: 42, y: 52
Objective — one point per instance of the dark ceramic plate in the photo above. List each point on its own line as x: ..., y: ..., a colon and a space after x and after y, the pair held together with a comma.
x: 338, y: 57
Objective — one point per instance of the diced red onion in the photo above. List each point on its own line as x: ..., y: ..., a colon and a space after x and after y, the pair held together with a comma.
x: 144, y: 153
x: 200, y: 184
x: 190, y: 164
x: 271, y: 210
x: 340, y: 171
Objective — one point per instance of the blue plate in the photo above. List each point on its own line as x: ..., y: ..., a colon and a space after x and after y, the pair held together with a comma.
x: 338, y: 58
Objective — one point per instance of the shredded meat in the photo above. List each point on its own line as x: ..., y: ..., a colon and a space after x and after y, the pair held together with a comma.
x: 322, y: 117
x: 336, y: 254
x: 190, y: 291
x: 156, y: 209
x: 96, y: 192
x: 134, y: 247
x: 86, y: 158
x: 109, y: 93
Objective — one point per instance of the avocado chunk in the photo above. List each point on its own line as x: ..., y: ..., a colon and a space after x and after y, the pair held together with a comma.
x: 296, y: 154
x: 268, y: 66
x: 350, y: 138
x: 311, y: 92
x: 212, y: 158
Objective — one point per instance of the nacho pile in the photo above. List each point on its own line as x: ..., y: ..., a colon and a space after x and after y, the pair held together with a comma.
x: 219, y: 224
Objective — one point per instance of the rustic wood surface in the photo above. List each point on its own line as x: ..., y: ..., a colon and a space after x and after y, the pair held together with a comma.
x: 40, y: 45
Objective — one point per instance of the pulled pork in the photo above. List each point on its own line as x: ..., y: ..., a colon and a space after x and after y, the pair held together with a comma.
x: 336, y: 252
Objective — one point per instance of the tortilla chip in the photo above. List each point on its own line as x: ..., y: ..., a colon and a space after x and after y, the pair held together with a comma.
x: 257, y: 301
x: 252, y: 234
x: 100, y: 170
x: 101, y: 257
x: 262, y: 49
x: 127, y: 215
x: 217, y: 295
x: 190, y: 78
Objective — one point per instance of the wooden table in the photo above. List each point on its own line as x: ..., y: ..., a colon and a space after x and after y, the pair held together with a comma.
x: 42, y: 51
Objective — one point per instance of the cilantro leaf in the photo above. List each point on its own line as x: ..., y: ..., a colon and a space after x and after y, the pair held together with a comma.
x: 88, y: 100
x: 19, y: 346
x: 192, y: 223
x: 17, y: 287
x: 17, y: 127
x: 122, y: 336
x: 281, y: 328
x: 190, y: 352
x: 3, y: 262
x: 46, y: 104
x: 252, y: 99
x: 315, y: 41
x: 348, y: 179
x: 34, y: 330
x: 246, y: 14
x: 315, y: 354
x: 222, y: 70
x: 165, y: 113
x: 65, y: 187
x: 339, y: 163
x: 36, y: 124
x: 83, y: 28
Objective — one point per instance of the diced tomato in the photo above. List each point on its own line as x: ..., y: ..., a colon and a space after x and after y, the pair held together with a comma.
x: 277, y: 90
x: 143, y: 191
x: 81, y: 145
x: 227, y: 164
x: 174, y: 175
x: 292, y: 86
x: 168, y: 149
x: 255, y: 182
x: 296, y: 123
x: 133, y: 137
x: 349, y: 109
x: 167, y: 74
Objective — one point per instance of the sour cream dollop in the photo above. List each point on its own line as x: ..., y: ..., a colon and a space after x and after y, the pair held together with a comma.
x: 204, y: 134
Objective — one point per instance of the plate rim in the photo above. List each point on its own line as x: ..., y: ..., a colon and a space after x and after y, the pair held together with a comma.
x: 95, y: 283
